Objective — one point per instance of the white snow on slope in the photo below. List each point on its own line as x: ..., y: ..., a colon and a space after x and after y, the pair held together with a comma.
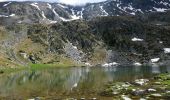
x: 137, y: 64
x: 136, y: 39
x: 12, y: 15
x: 35, y: 5
x: 7, y: 4
x: 62, y: 6
x: 110, y: 64
x: 49, y: 6
x: 63, y: 19
x: 3, y: 16
x: 55, y: 12
x: 160, y: 42
x: 160, y: 9
x: 52, y: 22
x: 81, y: 13
x: 154, y: 60
x: 87, y: 64
x: 74, y: 16
x: 43, y: 15
x: 104, y: 11
x: 42, y: 12
x: 166, y: 50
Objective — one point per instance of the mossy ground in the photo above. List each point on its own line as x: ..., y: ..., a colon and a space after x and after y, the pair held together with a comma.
x: 157, y: 87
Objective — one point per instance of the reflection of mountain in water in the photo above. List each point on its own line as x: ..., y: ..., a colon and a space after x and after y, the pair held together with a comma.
x: 61, y: 81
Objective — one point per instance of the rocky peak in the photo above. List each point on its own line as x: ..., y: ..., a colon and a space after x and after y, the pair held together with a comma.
x: 44, y: 12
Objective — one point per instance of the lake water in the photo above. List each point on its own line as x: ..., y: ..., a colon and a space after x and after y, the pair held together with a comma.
x: 77, y: 82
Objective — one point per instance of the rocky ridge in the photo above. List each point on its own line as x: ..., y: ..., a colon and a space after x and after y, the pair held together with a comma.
x: 53, y: 33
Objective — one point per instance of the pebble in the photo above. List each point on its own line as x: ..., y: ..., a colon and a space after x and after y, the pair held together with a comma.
x: 151, y: 90
x: 138, y: 92
x: 124, y: 97
x: 142, y: 99
x: 156, y: 95
x: 141, y: 81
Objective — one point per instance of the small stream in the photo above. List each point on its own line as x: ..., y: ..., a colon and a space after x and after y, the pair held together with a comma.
x: 69, y: 82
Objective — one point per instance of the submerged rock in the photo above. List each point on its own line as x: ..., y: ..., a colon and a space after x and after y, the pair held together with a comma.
x: 36, y: 98
x: 151, y: 90
x: 142, y: 99
x: 156, y: 95
x: 141, y: 81
x: 94, y: 99
x: 71, y: 99
x: 138, y: 92
x: 124, y: 97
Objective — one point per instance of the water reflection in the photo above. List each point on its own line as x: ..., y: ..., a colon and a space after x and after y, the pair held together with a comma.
x: 60, y: 81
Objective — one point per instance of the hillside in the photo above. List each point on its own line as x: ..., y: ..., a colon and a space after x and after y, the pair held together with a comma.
x: 125, y: 40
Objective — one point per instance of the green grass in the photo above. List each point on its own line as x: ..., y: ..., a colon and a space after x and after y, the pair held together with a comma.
x: 166, y: 82
x: 165, y: 79
x: 42, y: 66
x: 10, y: 70
x: 34, y: 67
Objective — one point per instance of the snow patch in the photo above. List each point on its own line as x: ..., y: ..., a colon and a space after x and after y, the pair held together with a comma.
x: 35, y: 5
x: 49, y: 6
x: 52, y: 22
x: 3, y: 16
x: 7, y: 4
x: 74, y: 16
x: 19, y: 22
x: 137, y: 54
x: 74, y: 47
x: 160, y: 9
x: 154, y: 60
x: 12, y: 15
x: 137, y: 64
x: 43, y: 15
x: 137, y: 39
x: 110, y: 64
x: 62, y: 6
x: 88, y: 64
x: 63, y: 19
x: 104, y: 11
x: 160, y: 42
x: 132, y: 13
x: 55, y: 12
x: 166, y: 50
x: 81, y: 13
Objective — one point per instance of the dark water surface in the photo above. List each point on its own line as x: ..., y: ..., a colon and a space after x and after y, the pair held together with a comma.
x: 69, y: 82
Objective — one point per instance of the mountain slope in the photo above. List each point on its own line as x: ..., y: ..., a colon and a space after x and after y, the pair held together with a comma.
x: 124, y: 40
x: 106, y: 33
x: 44, y: 12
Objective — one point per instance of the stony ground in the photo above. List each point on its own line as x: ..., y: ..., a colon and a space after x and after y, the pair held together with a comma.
x: 157, y: 87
